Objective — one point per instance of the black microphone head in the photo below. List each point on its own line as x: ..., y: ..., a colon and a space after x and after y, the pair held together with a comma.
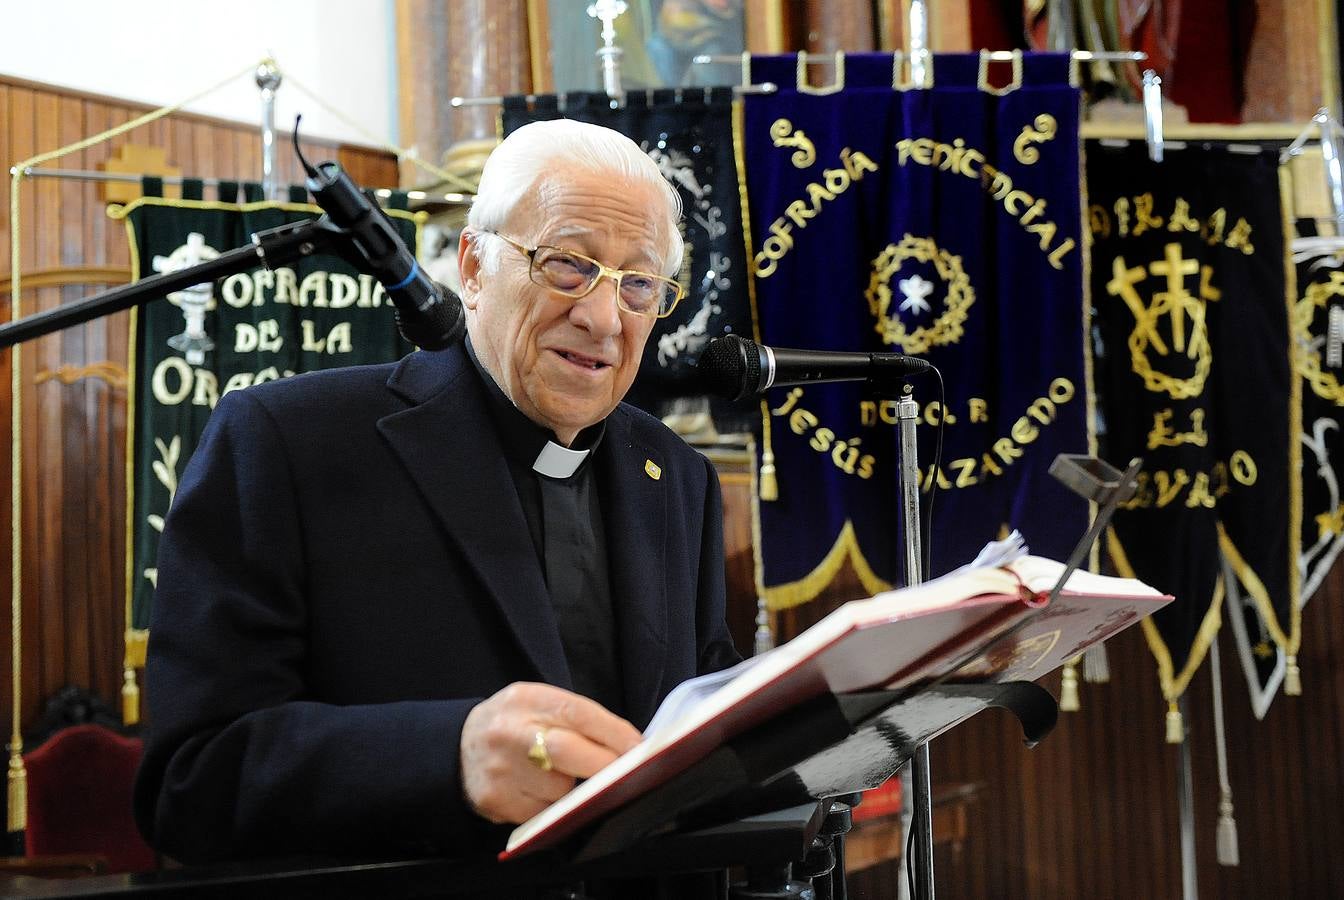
x: 731, y: 367
x: 434, y: 324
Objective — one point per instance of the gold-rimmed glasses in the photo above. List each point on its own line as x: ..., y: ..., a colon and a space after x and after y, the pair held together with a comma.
x: 575, y: 275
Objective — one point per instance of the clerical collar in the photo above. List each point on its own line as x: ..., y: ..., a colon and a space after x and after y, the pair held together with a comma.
x: 528, y: 443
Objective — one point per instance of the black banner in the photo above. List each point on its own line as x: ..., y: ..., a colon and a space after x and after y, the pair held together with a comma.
x: 1191, y: 288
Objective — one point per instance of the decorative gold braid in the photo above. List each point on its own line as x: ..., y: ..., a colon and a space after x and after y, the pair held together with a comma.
x: 806, y: 87
x: 982, y: 77
x: 767, y: 450
x: 947, y: 328
x: 1259, y: 593
x: 846, y: 547
x: 1308, y: 362
x: 1173, y: 684
x: 130, y: 692
x: 106, y: 370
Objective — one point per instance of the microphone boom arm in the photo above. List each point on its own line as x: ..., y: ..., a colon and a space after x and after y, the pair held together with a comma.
x: 272, y: 248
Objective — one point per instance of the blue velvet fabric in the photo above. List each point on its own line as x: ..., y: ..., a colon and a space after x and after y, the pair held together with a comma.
x: 943, y: 223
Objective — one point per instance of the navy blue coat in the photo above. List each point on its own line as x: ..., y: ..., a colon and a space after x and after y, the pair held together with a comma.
x: 346, y: 570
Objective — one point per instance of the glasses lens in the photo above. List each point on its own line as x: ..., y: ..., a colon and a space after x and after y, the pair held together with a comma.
x: 566, y: 272
x: 648, y: 294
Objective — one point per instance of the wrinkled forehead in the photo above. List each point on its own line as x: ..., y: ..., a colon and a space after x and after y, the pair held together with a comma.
x: 582, y: 205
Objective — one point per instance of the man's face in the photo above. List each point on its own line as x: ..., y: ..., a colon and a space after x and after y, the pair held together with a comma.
x: 566, y: 363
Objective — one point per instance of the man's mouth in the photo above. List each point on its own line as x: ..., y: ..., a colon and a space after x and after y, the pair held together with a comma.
x: 578, y: 359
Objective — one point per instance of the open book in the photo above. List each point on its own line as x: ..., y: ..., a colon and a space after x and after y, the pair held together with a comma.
x: 990, y: 621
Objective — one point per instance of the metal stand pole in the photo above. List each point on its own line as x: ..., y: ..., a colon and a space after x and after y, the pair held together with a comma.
x: 917, y: 41
x: 607, y: 11
x: 1189, y: 872
x: 268, y: 80
x: 907, y: 413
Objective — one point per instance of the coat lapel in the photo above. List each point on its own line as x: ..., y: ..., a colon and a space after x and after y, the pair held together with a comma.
x: 634, y: 509
x: 449, y: 445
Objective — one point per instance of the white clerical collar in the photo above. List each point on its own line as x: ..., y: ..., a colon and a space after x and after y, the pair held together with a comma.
x: 555, y: 461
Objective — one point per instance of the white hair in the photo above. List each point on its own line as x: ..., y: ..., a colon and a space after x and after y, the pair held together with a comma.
x: 526, y: 157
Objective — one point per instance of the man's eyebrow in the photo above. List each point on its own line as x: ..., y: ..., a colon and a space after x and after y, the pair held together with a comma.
x: 564, y: 232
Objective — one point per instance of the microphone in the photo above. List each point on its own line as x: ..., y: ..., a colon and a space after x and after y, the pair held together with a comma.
x: 736, y: 367
x: 428, y: 314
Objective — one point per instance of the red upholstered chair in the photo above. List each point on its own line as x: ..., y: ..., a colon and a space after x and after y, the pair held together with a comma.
x: 79, y: 798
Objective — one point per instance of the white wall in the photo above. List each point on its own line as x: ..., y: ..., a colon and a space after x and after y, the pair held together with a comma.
x: 162, y: 51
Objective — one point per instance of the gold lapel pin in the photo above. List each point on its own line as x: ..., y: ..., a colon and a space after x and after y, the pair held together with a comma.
x: 652, y: 469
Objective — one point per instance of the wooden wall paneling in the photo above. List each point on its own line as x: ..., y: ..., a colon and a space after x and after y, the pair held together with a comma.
x: 98, y: 476
x: 247, y: 157
x: 1282, y: 76
x: 182, y: 151
x: 736, y: 482
x: 72, y: 435
x: 839, y: 25
x: 47, y: 460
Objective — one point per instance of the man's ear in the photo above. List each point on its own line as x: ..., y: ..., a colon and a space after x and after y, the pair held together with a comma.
x: 469, y: 266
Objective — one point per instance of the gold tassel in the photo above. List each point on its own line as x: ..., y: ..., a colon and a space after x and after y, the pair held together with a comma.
x: 1068, y: 688
x: 1228, y: 855
x: 18, y: 791
x: 1096, y: 665
x: 1175, y: 724
x: 769, y: 484
x: 130, y: 698
x: 1292, y: 679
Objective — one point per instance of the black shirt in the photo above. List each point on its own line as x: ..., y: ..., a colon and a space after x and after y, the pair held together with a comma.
x: 564, y: 518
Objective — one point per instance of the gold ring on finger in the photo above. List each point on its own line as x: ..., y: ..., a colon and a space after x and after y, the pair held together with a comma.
x: 537, y: 754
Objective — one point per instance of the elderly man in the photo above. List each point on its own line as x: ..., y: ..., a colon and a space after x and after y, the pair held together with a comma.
x: 399, y: 603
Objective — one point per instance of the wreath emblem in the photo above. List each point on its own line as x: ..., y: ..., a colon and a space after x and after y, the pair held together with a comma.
x: 947, y: 328
x: 1317, y: 296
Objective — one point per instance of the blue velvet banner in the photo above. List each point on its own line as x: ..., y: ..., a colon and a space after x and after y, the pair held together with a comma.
x: 944, y: 223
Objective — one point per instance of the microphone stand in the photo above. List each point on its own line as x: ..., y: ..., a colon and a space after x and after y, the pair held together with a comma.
x: 907, y: 417
x: 272, y: 248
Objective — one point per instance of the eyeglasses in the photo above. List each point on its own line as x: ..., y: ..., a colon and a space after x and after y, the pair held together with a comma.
x: 575, y: 275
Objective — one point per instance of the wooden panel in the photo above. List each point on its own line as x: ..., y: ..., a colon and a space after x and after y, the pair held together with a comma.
x: 74, y: 435
x: 1283, y: 75
x: 839, y: 25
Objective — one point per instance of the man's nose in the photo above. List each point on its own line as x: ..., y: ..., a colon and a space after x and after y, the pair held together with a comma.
x: 598, y: 312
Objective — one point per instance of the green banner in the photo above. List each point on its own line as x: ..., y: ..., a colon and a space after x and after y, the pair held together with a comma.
x: 261, y: 325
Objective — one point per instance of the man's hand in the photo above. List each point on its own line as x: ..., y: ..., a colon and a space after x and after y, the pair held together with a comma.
x: 499, y: 781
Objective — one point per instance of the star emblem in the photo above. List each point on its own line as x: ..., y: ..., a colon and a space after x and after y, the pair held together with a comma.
x: 915, y: 289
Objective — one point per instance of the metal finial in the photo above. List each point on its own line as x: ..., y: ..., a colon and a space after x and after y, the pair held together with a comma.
x: 268, y: 75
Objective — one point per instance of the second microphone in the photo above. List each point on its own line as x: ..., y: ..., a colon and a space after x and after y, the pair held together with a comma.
x: 736, y: 367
